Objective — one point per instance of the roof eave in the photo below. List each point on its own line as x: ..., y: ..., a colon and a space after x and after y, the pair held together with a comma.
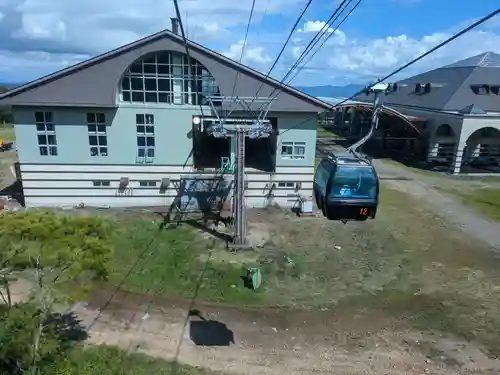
x: 123, y: 49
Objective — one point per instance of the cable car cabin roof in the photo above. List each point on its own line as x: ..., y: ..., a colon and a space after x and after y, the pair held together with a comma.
x: 350, y: 159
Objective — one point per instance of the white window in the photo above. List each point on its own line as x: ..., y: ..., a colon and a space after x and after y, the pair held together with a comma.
x: 286, y: 184
x: 101, y: 183
x: 46, y: 133
x: 98, y: 139
x: 293, y: 150
x: 146, y: 183
x: 145, y: 137
x: 164, y: 77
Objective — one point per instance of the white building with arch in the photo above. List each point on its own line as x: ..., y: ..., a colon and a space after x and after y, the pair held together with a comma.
x: 461, y: 105
x: 123, y: 129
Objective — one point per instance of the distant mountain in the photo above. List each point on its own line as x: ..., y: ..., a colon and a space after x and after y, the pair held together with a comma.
x: 331, y: 91
x: 323, y: 91
x: 10, y: 85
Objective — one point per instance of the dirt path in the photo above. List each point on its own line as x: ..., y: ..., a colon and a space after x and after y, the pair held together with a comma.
x: 444, y: 205
x: 278, y: 342
x: 423, y: 186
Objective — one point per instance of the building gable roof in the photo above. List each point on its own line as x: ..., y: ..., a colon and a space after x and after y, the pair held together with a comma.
x: 13, y: 93
x: 452, y: 87
x: 483, y: 60
x: 472, y: 110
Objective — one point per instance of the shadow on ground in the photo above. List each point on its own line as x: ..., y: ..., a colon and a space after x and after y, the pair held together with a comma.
x: 14, y: 190
x: 60, y: 333
x: 207, y: 332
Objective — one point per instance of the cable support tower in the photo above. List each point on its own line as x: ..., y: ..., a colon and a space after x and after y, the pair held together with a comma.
x: 222, y: 126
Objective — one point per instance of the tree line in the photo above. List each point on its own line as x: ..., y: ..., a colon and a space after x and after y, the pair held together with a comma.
x: 5, y: 111
x: 60, y: 257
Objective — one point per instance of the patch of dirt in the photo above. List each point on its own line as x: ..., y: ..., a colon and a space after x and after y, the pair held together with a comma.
x: 224, y: 256
x: 7, y: 159
x: 336, y: 274
x: 452, y: 350
x: 20, y: 290
x: 445, y: 205
x: 276, y: 341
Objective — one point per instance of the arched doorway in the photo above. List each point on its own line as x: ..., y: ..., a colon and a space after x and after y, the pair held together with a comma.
x: 482, y: 151
x: 443, y: 144
x: 397, y: 135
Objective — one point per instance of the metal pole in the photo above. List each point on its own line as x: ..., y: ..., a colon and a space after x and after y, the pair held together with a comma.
x: 373, y: 125
x: 240, y: 237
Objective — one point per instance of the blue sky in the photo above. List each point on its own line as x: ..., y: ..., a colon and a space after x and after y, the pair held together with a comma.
x: 38, y: 37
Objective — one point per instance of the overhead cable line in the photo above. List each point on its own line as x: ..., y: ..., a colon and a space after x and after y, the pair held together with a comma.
x: 127, y: 275
x: 141, y: 255
x: 415, y: 60
x: 243, y: 46
x: 190, y: 67
x: 263, y: 16
x: 325, y: 40
x: 284, y: 46
x: 155, y: 294
x: 317, y: 36
x: 183, y: 34
x: 328, y: 36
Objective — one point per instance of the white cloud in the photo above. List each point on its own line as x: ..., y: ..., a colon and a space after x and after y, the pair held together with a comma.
x: 252, y: 55
x: 354, y: 60
x: 38, y: 37
x: 90, y: 27
x: 41, y: 27
x: 314, y: 27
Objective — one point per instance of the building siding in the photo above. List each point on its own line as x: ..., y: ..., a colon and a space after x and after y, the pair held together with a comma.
x: 72, y: 185
x: 172, y: 129
x: 67, y: 179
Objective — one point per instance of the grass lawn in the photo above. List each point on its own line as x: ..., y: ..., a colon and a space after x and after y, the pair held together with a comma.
x: 411, y: 169
x: 407, y: 263
x: 107, y: 360
x: 485, y: 201
x: 7, y: 158
x: 323, y: 132
x: 7, y: 132
x: 173, y: 263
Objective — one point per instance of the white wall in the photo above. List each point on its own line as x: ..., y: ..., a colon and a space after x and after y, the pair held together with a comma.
x: 71, y: 185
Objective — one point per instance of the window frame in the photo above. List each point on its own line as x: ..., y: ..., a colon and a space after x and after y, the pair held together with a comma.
x: 100, y: 131
x: 294, y: 145
x: 164, y: 78
x: 45, y: 128
x: 286, y: 185
x: 148, y: 183
x: 101, y: 183
x: 145, y: 133
x: 364, y: 179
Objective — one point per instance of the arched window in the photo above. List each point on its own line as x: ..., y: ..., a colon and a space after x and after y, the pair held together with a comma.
x: 163, y: 77
x: 445, y: 130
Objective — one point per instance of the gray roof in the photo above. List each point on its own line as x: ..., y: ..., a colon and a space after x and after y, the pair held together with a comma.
x: 483, y: 60
x: 472, y: 110
x: 452, y: 87
x: 98, y: 75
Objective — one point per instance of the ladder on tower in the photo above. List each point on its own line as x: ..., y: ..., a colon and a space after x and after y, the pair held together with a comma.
x: 216, y: 203
x: 189, y: 188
